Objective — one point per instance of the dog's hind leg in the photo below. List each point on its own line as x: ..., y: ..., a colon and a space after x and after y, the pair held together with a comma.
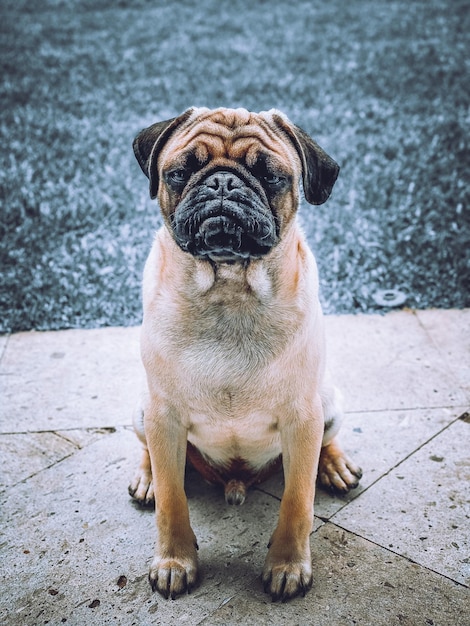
x: 141, y: 486
x: 336, y: 471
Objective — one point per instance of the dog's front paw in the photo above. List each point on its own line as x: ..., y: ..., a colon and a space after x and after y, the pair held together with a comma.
x: 285, y: 579
x: 336, y: 471
x: 173, y: 576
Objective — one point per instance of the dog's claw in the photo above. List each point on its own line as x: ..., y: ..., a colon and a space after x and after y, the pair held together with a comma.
x: 291, y: 581
x: 172, y: 577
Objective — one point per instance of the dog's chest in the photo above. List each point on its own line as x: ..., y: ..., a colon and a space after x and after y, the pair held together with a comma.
x: 224, y: 363
x: 230, y: 392
x: 234, y: 320
x: 227, y: 354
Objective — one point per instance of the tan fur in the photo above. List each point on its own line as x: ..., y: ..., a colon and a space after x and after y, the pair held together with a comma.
x: 235, y: 363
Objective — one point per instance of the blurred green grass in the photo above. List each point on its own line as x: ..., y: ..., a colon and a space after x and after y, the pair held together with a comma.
x: 383, y: 87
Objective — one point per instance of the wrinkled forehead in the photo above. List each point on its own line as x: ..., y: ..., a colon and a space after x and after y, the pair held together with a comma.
x: 232, y: 134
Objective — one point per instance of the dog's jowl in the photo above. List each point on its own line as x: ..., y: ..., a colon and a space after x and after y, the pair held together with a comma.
x: 232, y: 335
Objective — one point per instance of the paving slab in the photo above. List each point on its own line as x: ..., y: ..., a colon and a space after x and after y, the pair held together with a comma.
x: 421, y: 509
x: 69, y: 379
x: 390, y: 362
x: 379, y: 366
x: 450, y: 333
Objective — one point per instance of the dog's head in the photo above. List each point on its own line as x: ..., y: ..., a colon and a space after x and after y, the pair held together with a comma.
x: 227, y: 180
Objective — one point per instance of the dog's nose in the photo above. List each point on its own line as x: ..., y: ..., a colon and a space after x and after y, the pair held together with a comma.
x: 223, y: 182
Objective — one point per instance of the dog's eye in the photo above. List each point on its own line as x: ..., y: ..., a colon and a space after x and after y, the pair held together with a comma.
x: 272, y: 180
x: 177, y: 177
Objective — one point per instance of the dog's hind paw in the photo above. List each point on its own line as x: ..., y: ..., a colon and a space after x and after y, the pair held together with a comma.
x: 141, y: 488
x: 336, y: 471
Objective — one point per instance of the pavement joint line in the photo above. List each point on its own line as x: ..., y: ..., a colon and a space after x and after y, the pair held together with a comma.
x: 398, y: 554
x: 89, y: 429
x: 403, y: 460
x: 40, y: 471
x: 64, y: 438
x: 2, y: 353
x: 451, y: 407
x: 266, y: 493
x: 423, y: 444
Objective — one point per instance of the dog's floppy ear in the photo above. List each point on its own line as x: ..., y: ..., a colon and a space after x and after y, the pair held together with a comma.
x: 148, y: 144
x: 319, y: 171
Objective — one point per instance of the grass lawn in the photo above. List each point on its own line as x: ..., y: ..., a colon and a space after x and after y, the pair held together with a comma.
x: 382, y: 85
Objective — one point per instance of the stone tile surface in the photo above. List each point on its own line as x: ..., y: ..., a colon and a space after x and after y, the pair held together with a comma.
x: 450, y: 333
x: 3, y: 344
x: 39, y: 449
x: 421, y: 509
x: 389, y: 362
x: 69, y: 379
x: 79, y: 551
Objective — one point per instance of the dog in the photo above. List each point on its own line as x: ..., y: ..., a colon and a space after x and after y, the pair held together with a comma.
x: 232, y: 335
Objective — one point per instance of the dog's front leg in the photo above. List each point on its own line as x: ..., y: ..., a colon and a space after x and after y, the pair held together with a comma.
x: 174, y: 567
x: 288, y: 567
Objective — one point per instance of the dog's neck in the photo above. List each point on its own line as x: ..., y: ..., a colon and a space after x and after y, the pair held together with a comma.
x: 262, y: 277
x: 252, y: 276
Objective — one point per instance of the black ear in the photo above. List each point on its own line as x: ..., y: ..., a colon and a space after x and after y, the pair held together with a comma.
x: 148, y: 144
x: 319, y: 171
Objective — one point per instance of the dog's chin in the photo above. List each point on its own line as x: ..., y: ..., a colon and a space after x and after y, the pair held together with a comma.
x: 222, y: 256
x: 224, y: 253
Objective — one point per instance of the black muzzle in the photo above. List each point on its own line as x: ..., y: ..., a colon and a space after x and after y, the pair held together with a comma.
x: 224, y: 219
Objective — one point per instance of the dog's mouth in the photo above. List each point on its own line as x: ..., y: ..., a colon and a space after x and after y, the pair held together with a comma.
x: 222, y: 237
x: 224, y: 220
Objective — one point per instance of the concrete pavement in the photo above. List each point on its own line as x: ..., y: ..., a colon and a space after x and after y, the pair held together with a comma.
x: 74, y: 548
